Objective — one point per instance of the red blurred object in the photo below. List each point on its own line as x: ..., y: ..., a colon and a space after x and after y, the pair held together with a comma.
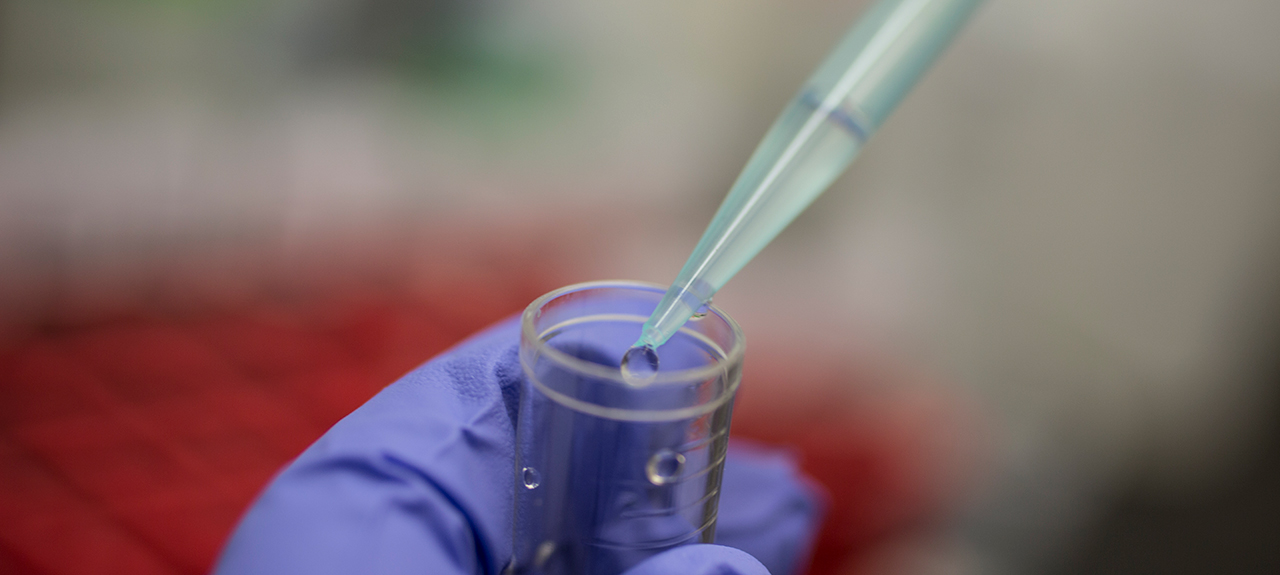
x: 132, y: 445
x: 893, y: 450
x: 134, y: 433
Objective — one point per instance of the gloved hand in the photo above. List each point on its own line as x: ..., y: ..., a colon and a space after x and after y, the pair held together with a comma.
x: 419, y: 480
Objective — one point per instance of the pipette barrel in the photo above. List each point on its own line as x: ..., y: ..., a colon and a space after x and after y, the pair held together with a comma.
x: 818, y: 134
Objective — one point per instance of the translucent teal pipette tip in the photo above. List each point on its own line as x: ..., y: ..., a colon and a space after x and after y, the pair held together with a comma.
x: 819, y: 132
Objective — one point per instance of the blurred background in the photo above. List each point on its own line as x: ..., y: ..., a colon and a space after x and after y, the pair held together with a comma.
x: 1033, y: 329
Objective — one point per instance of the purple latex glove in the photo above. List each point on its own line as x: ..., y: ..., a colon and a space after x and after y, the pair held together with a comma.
x: 700, y: 560
x: 419, y: 480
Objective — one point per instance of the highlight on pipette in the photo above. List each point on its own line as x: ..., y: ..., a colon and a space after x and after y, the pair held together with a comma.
x: 678, y: 305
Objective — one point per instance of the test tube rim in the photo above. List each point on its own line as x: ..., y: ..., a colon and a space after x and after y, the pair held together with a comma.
x: 732, y: 356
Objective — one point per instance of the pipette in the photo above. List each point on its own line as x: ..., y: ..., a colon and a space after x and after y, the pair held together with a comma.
x: 810, y: 144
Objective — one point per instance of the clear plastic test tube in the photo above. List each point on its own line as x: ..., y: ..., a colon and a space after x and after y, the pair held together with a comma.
x: 610, y: 468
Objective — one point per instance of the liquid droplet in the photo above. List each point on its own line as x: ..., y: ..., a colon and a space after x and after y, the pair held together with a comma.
x: 544, y: 552
x: 530, y: 477
x: 640, y: 365
x: 664, y: 467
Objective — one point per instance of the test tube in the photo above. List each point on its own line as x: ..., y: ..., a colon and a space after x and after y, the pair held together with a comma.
x: 613, y: 466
